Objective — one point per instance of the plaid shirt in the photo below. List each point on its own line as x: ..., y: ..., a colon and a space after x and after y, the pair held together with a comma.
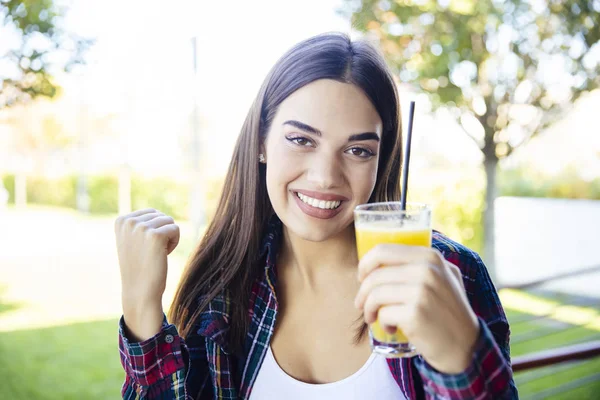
x: 202, y: 366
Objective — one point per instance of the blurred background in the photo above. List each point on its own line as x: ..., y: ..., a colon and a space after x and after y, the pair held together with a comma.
x: 112, y: 106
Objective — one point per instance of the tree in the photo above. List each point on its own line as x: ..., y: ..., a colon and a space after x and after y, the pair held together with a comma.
x: 506, y: 68
x: 36, y: 46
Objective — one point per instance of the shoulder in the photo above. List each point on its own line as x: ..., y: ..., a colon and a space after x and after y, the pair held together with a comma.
x: 474, y: 272
x: 463, y: 257
x: 478, y: 284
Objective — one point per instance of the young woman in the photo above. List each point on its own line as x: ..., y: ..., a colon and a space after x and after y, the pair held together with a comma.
x: 274, y: 302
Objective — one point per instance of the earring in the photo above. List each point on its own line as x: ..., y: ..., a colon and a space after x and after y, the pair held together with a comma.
x: 261, y: 158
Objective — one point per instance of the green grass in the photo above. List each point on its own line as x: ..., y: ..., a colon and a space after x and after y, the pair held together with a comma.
x: 79, y: 361
x: 551, y: 334
x: 587, y: 392
x: 75, y: 361
x: 556, y: 379
x: 556, y: 339
x: 6, y: 307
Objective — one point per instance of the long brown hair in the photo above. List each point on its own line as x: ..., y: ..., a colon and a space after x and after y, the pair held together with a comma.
x: 228, y: 256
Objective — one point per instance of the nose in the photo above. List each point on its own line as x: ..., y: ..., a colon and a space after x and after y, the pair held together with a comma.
x: 325, y: 171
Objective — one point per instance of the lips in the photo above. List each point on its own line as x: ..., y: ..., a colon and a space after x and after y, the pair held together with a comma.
x: 319, y: 205
x: 326, y: 205
x: 322, y: 196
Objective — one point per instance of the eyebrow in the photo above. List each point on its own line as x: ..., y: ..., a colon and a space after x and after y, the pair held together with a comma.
x: 315, y: 131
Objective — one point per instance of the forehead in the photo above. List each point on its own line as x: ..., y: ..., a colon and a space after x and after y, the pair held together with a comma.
x: 331, y: 106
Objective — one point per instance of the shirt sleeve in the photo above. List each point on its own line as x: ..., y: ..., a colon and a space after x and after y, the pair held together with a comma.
x: 489, y: 376
x: 164, y: 366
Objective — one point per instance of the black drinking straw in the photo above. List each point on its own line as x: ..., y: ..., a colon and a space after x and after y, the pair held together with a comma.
x: 411, y: 116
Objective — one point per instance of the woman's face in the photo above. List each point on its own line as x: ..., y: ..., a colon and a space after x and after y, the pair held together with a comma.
x: 321, y: 153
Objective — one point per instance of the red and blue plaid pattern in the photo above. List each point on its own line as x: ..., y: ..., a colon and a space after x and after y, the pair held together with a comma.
x: 201, y: 367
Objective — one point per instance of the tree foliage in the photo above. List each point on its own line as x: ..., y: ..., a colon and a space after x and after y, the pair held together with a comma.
x: 509, y: 68
x: 34, y: 46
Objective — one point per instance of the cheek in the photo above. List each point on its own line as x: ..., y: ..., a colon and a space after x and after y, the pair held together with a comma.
x: 280, y: 172
x: 277, y: 177
x: 363, y: 182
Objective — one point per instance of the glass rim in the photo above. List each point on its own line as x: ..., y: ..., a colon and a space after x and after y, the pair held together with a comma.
x: 416, y: 207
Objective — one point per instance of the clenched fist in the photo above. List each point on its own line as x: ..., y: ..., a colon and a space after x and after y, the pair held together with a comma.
x: 144, y: 239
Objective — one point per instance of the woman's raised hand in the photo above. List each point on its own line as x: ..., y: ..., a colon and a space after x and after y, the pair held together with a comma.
x: 144, y: 239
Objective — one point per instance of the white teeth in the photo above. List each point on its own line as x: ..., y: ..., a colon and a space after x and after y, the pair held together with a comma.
x: 325, y: 205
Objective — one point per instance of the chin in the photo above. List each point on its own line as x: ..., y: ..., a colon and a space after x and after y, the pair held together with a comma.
x: 312, y: 234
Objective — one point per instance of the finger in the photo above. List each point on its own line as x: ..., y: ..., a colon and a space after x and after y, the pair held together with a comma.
x: 394, y: 316
x: 159, y: 221
x: 147, y: 217
x: 140, y: 212
x: 386, y: 295
x: 414, y: 274
x: 172, y: 232
x: 130, y: 218
x: 396, y: 254
x: 385, y: 275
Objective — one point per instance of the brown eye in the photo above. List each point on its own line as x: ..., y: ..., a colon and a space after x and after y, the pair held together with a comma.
x: 300, y: 141
x: 360, y: 152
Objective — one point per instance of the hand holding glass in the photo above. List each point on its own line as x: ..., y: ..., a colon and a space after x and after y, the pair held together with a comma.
x: 387, y: 223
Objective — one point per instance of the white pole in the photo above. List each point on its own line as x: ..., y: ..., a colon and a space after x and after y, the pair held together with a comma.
x: 197, y: 215
x: 82, y: 196
x: 125, y: 166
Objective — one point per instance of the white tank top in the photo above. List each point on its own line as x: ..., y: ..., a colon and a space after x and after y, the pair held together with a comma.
x: 372, y: 381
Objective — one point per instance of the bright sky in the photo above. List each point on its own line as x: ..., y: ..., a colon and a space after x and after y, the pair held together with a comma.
x: 141, y: 66
x: 141, y: 69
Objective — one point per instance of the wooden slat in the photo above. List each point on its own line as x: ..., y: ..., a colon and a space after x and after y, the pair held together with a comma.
x: 580, y: 351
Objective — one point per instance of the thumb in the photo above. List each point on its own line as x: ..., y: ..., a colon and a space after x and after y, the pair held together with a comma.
x: 172, y: 245
x: 171, y: 231
x: 455, y: 272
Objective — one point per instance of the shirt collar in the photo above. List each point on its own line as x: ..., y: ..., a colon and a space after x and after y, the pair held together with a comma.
x: 271, y: 243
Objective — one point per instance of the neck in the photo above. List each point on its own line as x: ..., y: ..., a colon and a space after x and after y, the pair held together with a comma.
x: 314, y: 264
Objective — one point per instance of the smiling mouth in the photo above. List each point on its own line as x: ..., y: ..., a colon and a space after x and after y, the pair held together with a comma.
x: 322, y: 204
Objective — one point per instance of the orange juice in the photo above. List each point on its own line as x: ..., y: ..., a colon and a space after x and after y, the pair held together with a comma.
x: 370, y: 236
